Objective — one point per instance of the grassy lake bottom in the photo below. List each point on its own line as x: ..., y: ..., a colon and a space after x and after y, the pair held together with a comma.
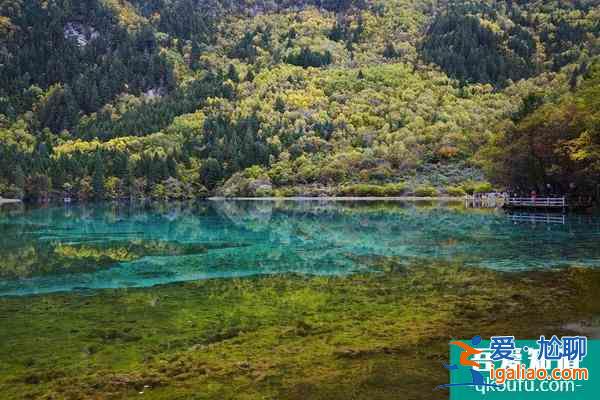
x: 276, y: 300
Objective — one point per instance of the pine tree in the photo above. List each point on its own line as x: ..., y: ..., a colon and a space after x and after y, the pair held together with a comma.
x: 232, y: 74
x: 18, y: 189
x: 98, y: 178
x: 210, y: 173
x: 171, y: 166
x: 156, y: 169
x: 279, y: 105
x: 129, y: 181
x: 390, y: 51
x: 19, y: 177
x: 195, y: 53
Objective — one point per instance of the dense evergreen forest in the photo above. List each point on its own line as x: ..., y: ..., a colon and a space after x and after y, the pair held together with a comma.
x: 107, y: 99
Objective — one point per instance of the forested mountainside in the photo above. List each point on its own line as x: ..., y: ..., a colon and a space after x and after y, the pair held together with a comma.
x: 184, y: 98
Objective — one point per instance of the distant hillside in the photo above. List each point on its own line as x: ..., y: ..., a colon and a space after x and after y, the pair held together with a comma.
x: 180, y: 98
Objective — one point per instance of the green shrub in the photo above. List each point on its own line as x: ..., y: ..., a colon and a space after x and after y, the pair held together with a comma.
x: 394, y: 189
x: 362, y: 190
x: 307, y: 173
x: 280, y: 175
x: 263, y: 192
x: 285, y: 192
x: 425, y: 191
x: 455, y: 191
x: 380, y: 173
x: 11, y: 192
x: 254, y: 172
x: 331, y: 173
x: 368, y: 190
x: 483, y: 187
x: 476, y: 187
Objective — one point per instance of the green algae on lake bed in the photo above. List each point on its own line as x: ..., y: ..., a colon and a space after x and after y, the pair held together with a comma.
x: 369, y: 336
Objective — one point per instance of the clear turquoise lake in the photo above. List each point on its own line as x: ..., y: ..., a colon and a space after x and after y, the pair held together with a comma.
x: 86, y: 247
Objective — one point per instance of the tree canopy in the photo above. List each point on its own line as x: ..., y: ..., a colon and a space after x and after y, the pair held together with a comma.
x: 176, y: 98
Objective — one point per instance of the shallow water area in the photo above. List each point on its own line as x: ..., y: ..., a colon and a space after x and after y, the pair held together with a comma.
x: 82, y: 247
x: 339, y: 300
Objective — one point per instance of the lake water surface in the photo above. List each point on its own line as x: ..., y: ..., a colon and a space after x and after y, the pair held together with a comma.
x: 82, y: 247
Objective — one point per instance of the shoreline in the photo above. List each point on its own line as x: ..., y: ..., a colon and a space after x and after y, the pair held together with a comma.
x: 292, y: 198
x: 340, y: 198
x: 8, y: 201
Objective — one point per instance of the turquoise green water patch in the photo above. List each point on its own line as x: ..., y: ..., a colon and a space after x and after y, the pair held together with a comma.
x: 111, y: 246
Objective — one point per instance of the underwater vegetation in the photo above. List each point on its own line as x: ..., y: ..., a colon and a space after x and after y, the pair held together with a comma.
x: 379, y: 335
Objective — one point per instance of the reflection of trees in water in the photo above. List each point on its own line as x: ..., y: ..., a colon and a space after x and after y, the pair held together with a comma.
x: 242, y: 237
x: 254, y: 215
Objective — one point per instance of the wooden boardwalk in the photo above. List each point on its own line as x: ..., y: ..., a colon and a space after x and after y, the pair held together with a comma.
x: 500, y: 200
x: 555, y: 203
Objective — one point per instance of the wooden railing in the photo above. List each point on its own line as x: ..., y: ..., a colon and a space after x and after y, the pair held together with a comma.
x: 497, y: 200
x: 550, y: 202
